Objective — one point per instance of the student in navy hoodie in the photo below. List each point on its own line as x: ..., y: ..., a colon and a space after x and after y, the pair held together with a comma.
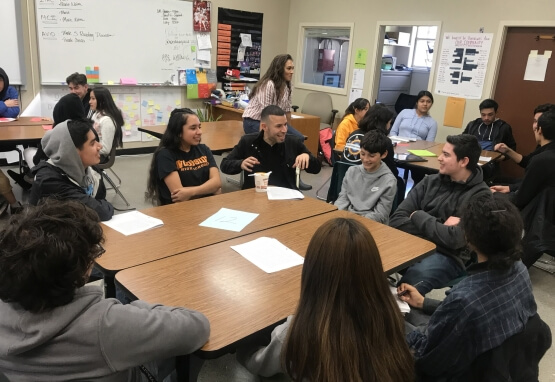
x: 9, y: 99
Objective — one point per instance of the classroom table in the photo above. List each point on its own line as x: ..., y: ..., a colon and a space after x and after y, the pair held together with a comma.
x: 181, y: 231
x: 28, y: 121
x: 240, y: 299
x: 308, y: 125
x: 219, y: 136
x: 432, y: 164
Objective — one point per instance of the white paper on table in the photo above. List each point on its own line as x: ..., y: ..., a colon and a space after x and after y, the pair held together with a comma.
x: 536, y: 66
x: 403, y: 306
x: 358, y: 78
x: 484, y: 159
x: 268, y: 254
x: 133, y: 222
x: 230, y: 220
x: 241, y: 53
x: 296, y: 116
x: 354, y: 94
x: 282, y: 193
x: 203, y: 40
x: 204, y: 55
x: 245, y: 39
x: 402, y: 139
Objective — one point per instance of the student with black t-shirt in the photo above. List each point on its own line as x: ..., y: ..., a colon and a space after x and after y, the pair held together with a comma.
x: 182, y: 168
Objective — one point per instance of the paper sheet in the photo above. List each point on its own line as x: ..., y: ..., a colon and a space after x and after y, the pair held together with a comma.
x: 484, y: 159
x: 403, y: 306
x: 133, y: 222
x: 354, y: 94
x: 281, y: 193
x: 423, y: 153
x: 230, y: 220
x: 203, y: 40
x: 358, y: 78
x: 241, y: 53
x: 268, y: 254
x: 536, y: 66
x: 454, y: 112
x: 203, y: 55
x: 296, y: 116
x: 246, y: 39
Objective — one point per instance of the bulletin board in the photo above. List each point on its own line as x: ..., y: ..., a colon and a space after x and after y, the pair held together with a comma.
x: 140, y: 106
x: 231, y: 24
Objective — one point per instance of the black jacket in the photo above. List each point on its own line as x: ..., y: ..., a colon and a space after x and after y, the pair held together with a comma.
x: 52, y: 181
x: 500, y: 132
x: 279, y: 159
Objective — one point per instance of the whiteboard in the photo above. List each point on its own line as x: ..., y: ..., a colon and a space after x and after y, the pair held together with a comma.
x: 11, y: 58
x: 146, y: 40
x: 140, y: 106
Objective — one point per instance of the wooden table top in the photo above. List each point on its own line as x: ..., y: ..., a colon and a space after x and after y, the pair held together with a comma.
x: 240, y: 299
x: 218, y: 136
x: 21, y: 133
x: 432, y: 163
x: 28, y: 121
x: 181, y: 231
x: 240, y: 111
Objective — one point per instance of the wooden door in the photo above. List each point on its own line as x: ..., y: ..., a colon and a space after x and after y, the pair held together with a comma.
x: 518, y: 98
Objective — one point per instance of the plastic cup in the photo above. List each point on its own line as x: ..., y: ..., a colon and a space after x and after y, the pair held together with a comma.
x: 261, y: 181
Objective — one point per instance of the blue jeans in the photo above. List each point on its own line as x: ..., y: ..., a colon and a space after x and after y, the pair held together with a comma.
x: 253, y: 126
x: 435, y: 271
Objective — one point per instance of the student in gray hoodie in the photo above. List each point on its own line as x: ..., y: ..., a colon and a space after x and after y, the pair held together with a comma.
x: 369, y: 189
x: 432, y: 211
x: 73, y: 149
x: 55, y: 328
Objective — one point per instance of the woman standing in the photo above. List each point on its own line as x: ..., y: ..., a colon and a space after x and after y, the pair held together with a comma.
x: 107, y: 120
x: 274, y: 88
x: 416, y: 123
x: 182, y: 168
x: 347, y: 326
x: 354, y: 113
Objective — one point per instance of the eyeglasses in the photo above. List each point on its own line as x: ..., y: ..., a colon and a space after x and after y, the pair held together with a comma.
x: 98, y: 250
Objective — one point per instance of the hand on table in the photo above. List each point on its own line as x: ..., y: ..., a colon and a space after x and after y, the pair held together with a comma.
x: 502, y: 189
x: 301, y: 161
x: 182, y: 194
x: 11, y: 102
x: 249, y: 163
x: 410, y: 295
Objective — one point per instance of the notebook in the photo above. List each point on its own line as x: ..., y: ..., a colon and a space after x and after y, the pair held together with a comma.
x: 407, y: 157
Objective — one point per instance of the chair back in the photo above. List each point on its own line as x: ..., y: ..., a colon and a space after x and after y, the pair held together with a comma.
x: 405, y: 101
x: 516, y: 359
x: 338, y: 173
x: 111, y: 160
x: 320, y: 105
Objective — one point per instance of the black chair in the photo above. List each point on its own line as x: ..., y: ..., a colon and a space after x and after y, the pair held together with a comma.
x: 405, y: 101
x: 338, y: 173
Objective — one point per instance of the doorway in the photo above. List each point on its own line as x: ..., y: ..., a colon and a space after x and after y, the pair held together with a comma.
x: 517, y: 98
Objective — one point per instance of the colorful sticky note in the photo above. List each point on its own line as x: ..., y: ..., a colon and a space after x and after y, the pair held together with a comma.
x: 129, y: 99
x: 110, y: 82
x: 47, y: 127
x: 36, y: 119
x: 127, y: 127
x: 193, y: 48
x: 157, y: 107
x: 144, y: 104
x: 127, y: 133
x: 150, y: 103
x: 169, y: 108
x: 135, y: 106
x: 131, y: 115
x: 150, y: 110
x: 125, y: 107
x: 177, y: 102
x: 137, y: 123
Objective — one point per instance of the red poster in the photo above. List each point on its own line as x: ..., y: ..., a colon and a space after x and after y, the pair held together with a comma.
x: 201, y: 16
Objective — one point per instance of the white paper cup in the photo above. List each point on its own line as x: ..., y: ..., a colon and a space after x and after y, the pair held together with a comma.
x: 261, y: 181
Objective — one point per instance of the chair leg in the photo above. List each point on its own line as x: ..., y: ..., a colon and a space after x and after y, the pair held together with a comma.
x: 320, y: 189
x: 116, y: 189
x: 116, y: 175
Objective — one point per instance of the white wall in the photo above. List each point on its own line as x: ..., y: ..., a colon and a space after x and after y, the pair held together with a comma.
x: 469, y: 16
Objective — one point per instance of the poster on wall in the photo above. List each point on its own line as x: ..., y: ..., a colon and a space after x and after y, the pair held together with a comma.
x: 201, y: 16
x: 462, y: 64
